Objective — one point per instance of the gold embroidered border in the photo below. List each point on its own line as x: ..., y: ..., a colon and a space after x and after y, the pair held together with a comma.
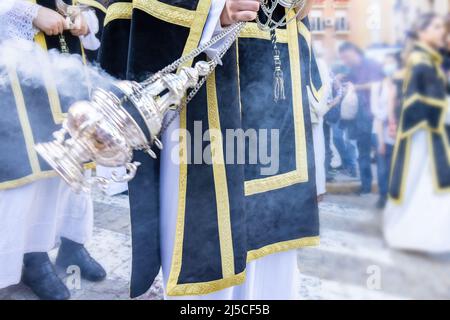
x: 437, y: 103
x: 434, y: 103
x: 404, y: 170
x: 442, y: 103
x: 220, y: 179
x: 251, y: 30
x: 282, y: 246
x: 305, y: 33
x: 93, y: 4
x: 300, y: 174
x: 203, y: 288
x: 52, y: 92
x: 434, y: 170
x: 166, y: 12
x: 406, y: 166
x: 173, y: 288
x: 118, y: 10
x: 24, y: 121
x: 27, y: 179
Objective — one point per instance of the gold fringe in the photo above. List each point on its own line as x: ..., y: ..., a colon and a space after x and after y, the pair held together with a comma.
x: 300, y: 174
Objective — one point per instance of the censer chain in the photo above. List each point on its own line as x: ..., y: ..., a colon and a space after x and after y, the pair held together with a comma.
x: 213, y: 63
x: 233, y: 31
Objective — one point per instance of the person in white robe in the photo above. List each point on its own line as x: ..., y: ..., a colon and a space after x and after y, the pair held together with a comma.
x: 318, y: 110
x: 417, y: 216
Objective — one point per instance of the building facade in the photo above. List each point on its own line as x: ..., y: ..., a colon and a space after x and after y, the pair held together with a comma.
x: 365, y: 22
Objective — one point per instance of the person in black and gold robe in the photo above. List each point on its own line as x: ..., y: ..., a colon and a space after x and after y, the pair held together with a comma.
x: 211, y: 223
x: 417, y: 215
x: 37, y: 209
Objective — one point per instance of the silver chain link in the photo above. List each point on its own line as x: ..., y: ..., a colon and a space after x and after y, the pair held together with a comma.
x: 271, y: 24
x: 231, y: 31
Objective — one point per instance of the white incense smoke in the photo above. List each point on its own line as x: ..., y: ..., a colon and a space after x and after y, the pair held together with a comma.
x: 68, y: 73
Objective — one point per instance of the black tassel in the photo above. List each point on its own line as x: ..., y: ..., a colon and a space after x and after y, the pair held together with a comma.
x: 278, y: 77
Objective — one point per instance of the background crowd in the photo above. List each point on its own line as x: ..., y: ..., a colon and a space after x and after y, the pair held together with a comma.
x: 365, y: 99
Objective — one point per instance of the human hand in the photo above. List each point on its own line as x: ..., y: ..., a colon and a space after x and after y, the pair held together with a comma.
x: 239, y: 10
x: 306, y: 9
x: 49, y: 21
x: 80, y: 26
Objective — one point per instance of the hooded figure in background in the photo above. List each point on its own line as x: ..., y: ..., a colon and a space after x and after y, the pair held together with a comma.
x: 37, y: 209
x: 217, y: 222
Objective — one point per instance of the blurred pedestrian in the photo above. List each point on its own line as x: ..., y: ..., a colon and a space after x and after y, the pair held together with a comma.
x: 386, y: 98
x: 318, y: 109
x: 362, y: 73
x: 417, y: 216
x: 344, y: 147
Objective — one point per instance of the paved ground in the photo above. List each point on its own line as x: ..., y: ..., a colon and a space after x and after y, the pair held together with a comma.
x: 351, y: 263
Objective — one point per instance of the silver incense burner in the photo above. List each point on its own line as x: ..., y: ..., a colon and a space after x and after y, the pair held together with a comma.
x: 130, y: 116
x: 103, y: 130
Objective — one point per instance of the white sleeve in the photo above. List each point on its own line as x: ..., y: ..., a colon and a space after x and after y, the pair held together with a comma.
x: 213, y: 27
x: 377, y: 99
x: 321, y: 106
x: 17, y: 18
x: 6, y: 5
x: 90, y: 41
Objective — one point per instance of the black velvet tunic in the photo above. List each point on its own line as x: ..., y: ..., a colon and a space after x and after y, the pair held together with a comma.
x: 424, y: 108
x: 228, y: 214
x: 32, y: 109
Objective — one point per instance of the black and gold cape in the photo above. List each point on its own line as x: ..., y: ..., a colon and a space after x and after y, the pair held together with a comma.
x: 32, y: 111
x: 424, y: 108
x: 228, y: 214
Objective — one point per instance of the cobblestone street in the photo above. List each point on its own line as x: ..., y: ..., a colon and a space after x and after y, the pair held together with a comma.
x: 351, y: 248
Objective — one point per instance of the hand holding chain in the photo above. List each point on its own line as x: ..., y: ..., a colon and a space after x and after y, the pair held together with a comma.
x: 105, y: 129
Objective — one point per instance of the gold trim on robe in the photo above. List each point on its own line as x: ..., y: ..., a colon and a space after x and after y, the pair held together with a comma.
x: 56, y: 110
x: 220, y: 179
x: 195, y: 20
x: 118, y: 11
x: 433, y: 59
x: 92, y: 3
x: 166, y: 12
x: 28, y: 136
x: 173, y: 287
x: 300, y: 174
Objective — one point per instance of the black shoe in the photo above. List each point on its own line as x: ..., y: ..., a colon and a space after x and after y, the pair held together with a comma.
x: 72, y: 253
x: 40, y: 276
x: 381, y: 203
